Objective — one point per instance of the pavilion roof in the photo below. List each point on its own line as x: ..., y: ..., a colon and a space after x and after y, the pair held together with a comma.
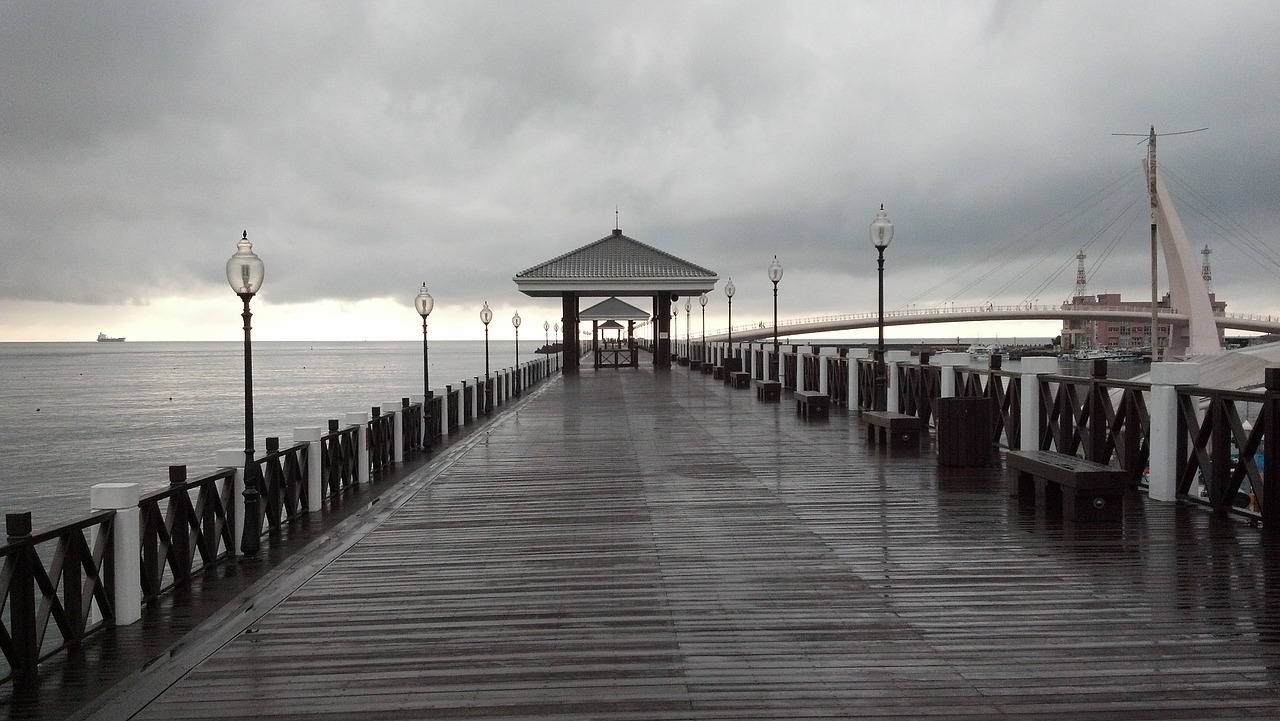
x: 615, y: 265
x: 613, y: 309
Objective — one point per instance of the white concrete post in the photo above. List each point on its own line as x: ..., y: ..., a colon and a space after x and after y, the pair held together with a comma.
x: 361, y: 422
x: 1162, y: 481
x: 445, y: 412
x: 949, y: 363
x: 822, y: 373
x: 126, y: 545
x: 311, y: 436
x: 1032, y: 368
x: 234, y: 459
x: 893, y: 360
x: 397, y: 425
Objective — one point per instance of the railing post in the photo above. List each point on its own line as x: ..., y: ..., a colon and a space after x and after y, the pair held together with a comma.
x: 1162, y: 476
x: 396, y: 410
x: 22, y: 598
x: 233, y: 459
x: 126, y: 546
x: 949, y: 363
x: 893, y: 361
x: 315, y: 460
x: 361, y: 421
x: 1032, y: 369
x: 445, y: 411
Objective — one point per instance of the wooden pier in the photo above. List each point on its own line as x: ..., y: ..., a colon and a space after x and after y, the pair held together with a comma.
x: 643, y: 544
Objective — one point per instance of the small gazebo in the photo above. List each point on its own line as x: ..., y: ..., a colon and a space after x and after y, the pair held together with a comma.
x: 616, y: 266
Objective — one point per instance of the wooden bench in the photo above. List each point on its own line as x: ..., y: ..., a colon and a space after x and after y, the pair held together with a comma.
x: 707, y: 368
x: 769, y: 390
x: 741, y: 379
x: 812, y: 404
x: 718, y: 372
x: 892, y: 429
x: 695, y: 365
x: 1078, y: 489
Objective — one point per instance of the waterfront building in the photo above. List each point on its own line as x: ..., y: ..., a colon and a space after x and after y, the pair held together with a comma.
x: 1079, y: 334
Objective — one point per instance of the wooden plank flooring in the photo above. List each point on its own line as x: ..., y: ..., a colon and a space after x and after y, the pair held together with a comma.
x: 632, y: 545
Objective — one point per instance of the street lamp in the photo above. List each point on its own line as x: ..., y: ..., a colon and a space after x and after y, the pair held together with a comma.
x: 688, y: 304
x: 881, y: 236
x: 515, y: 321
x: 703, y: 302
x: 424, y: 303
x: 245, y: 273
x: 546, y: 339
x: 675, y: 330
x: 775, y: 275
x: 729, y: 290
x: 486, y: 315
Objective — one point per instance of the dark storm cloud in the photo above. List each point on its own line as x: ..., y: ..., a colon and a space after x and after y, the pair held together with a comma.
x: 369, y: 146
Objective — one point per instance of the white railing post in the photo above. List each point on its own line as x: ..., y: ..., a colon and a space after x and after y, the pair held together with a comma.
x: 361, y: 422
x: 311, y: 436
x: 1031, y: 369
x: 445, y: 412
x: 1162, y: 481
x: 233, y: 459
x: 949, y: 363
x: 822, y: 372
x: 126, y: 545
x: 893, y: 360
x: 396, y: 411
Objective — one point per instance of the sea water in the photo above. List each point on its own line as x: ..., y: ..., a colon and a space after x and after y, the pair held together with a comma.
x: 76, y: 414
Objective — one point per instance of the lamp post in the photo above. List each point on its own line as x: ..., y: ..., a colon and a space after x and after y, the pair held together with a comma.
x: 675, y: 331
x: 546, y: 339
x: 245, y: 272
x: 729, y: 290
x: 515, y: 322
x: 424, y: 303
x: 881, y: 236
x: 775, y: 275
x: 702, y: 301
x: 688, y: 304
x: 486, y: 315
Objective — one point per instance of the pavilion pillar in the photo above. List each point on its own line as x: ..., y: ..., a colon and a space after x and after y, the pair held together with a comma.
x: 569, y: 325
x: 662, y: 330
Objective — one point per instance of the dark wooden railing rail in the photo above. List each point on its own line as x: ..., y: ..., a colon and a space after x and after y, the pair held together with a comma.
x: 284, y: 477
x: 339, y: 459
x: 72, y: 590
x: 381, y: 440
x: 838, y: 378
x: 1234, y: 463
x: 180, y: 537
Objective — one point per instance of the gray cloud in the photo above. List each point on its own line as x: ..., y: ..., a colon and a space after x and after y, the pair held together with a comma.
x: 369, y: 146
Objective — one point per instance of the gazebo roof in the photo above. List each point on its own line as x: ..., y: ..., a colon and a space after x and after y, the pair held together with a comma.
x: 611, y: 325
x: 613, y: 309
x: 615, y: 265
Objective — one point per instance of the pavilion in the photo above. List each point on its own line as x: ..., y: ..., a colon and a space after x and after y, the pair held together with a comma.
x: 612, y: 267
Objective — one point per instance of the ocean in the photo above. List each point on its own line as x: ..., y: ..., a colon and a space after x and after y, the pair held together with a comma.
x: 76, y: 414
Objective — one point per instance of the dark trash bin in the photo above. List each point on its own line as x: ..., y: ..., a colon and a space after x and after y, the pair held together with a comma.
x: 966, y: 431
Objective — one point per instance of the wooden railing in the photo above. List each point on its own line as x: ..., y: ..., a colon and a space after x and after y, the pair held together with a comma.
x: 339, y: 460
x: 182, y: 536
x: 790, y: 371
x: 284, y: 480
x: 59, y: 576
x: 381, y: 440
x: 1232, y: 460
x: 838, y: 379
x: 412, y: 439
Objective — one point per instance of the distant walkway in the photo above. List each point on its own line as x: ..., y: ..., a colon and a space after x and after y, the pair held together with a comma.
x: 628, y: 545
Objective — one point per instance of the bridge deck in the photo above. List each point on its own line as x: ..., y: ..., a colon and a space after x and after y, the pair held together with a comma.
x: 632, y: 546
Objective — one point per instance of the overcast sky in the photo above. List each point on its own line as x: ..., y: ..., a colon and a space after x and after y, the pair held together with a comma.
x: 368, y: 147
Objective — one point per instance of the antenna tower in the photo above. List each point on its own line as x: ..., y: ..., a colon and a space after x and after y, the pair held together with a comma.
x: 1082, y: 286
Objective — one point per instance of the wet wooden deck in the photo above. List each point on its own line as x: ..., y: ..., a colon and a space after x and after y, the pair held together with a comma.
x: 632, y: 545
